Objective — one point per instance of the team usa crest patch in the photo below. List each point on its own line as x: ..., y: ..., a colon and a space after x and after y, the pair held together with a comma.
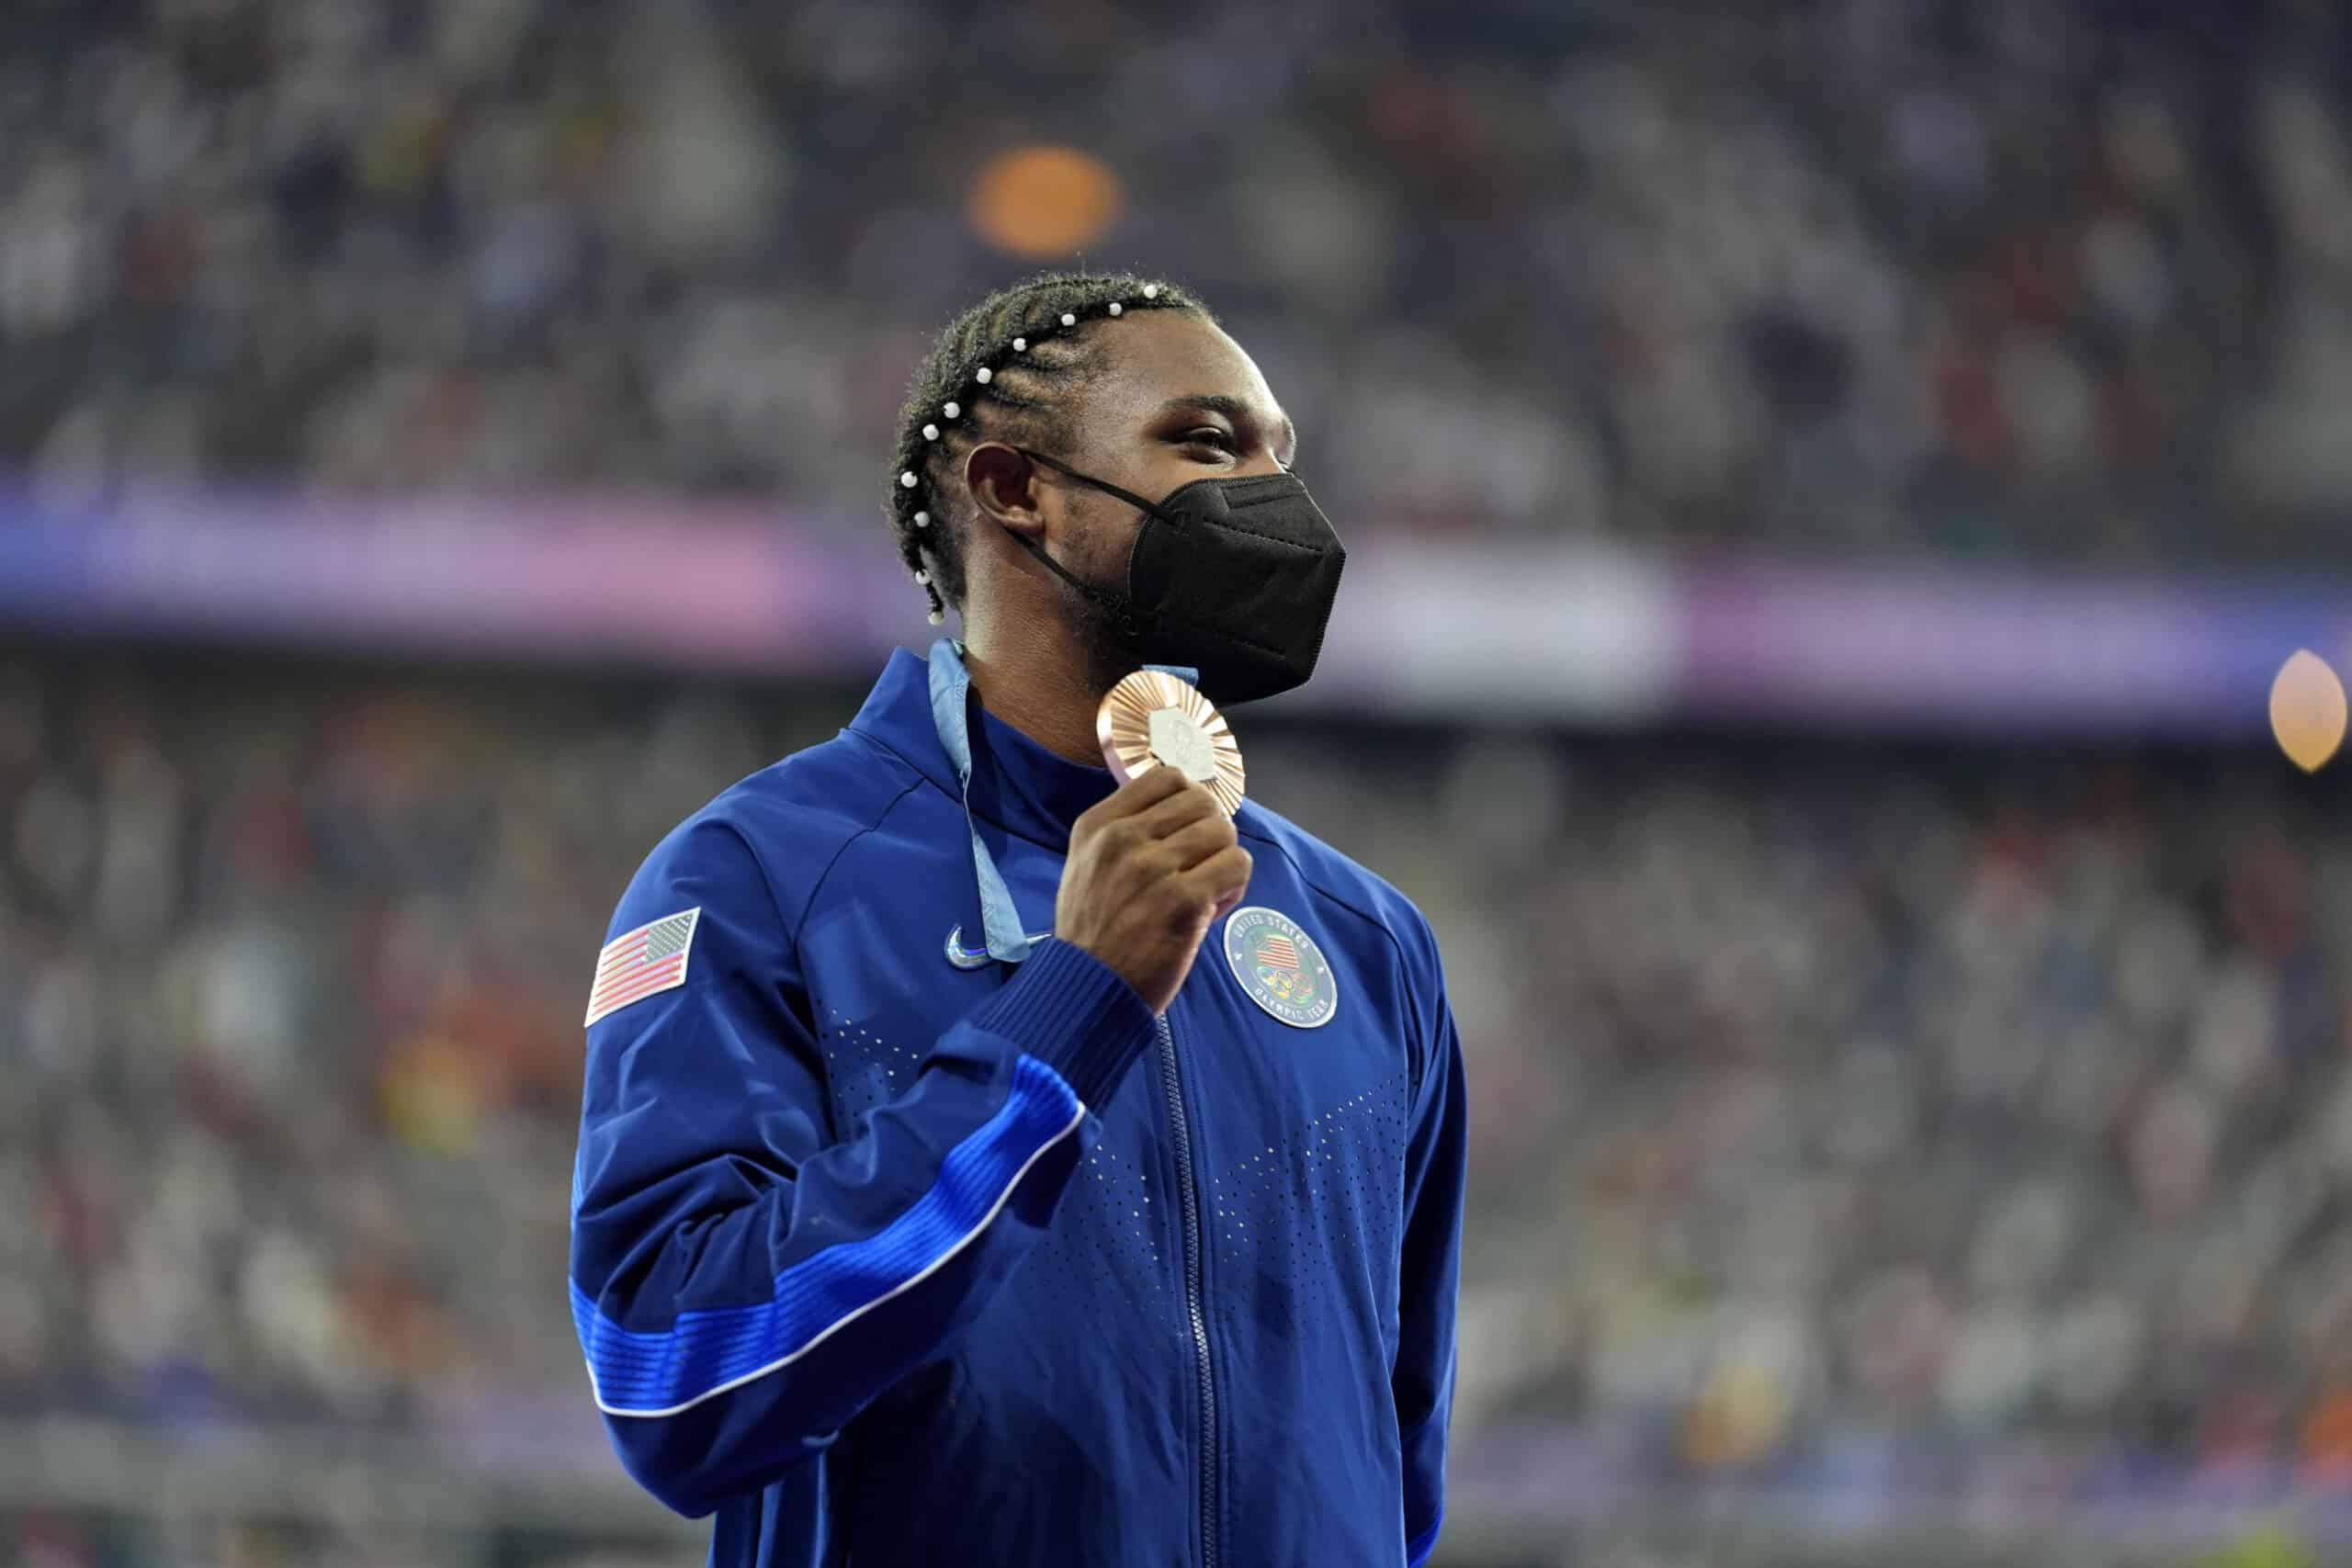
x: 1280, y: 967
x: 643, y: 963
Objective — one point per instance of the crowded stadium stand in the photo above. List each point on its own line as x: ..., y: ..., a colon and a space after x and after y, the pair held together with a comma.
x: 2046, y: 280
x: 1859, y: 1126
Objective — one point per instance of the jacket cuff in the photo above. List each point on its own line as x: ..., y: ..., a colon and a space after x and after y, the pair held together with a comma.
x: 1075, y: 1015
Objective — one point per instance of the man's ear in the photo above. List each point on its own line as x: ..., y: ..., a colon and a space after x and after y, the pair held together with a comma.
x: 1004, y: 484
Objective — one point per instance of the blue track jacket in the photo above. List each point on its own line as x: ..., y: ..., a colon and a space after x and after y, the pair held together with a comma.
x: 889, y: 1252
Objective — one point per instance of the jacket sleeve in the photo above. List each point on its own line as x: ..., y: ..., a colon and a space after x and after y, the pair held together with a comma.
x: 1422, y: 1379
x: 741, y: 1284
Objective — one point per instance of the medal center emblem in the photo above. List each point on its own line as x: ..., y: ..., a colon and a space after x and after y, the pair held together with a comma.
x: 1280, y: 967
x: 1180, y: 743
x: 1152, y: 719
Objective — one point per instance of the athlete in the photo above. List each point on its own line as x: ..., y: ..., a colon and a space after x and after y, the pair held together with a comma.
x: 983, y: 1164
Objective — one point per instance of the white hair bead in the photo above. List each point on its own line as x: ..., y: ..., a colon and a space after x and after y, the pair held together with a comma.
x: 984, y: 376
x: 951, y: 410
x: 1152, y: 291
x: 922, y: 519
x: 922, y: 577
x: 936, y: 619
x: 1068, y: 320
x: 1021, y: 346
x: 931, y: 432
x: 909, y: 479
x: 1117, y: 307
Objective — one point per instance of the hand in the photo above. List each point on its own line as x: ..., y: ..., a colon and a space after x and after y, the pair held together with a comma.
x: 1150, y: 870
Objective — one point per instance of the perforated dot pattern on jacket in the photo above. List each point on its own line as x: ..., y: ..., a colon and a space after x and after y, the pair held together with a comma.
x: 862, y: 1068
x: 1109, y: 1232
x: 1110, y: 1224
x: 1337, y: 1184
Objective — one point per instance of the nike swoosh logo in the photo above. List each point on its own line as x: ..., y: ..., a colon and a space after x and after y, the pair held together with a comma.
x: 973, y: 958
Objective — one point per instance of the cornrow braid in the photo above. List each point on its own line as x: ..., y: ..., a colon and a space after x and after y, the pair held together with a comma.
x: 1004, y: 370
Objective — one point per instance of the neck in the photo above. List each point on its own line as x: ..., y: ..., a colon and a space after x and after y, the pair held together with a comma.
x: 1047, y: 687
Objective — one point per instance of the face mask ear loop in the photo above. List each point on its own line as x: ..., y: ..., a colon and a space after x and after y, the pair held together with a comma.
x: 1105, y: 486
x: 1116, y: 605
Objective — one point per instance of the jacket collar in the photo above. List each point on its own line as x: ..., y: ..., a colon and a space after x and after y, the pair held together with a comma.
x: 925, y: 711
x: 1016, y: 783
x: 1020, y: 785
x: 897, y: 715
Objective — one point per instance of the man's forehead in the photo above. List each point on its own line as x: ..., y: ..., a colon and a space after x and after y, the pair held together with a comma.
x: 1179, y: 363
x: 1178, y: 354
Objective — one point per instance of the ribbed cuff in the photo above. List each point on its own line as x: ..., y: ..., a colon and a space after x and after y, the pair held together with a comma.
x: 1074, y: 1013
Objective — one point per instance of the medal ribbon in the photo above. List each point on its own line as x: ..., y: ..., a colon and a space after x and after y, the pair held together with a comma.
x: 950, y: 715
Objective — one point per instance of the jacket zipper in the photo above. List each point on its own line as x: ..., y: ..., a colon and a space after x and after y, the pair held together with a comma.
x: 1205, y: 1382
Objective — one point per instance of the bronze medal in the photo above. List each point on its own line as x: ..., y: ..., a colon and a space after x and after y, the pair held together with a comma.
x: 1152, y: 719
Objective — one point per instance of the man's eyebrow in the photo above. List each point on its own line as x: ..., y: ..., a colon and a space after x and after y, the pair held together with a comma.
x: 1233, y: 409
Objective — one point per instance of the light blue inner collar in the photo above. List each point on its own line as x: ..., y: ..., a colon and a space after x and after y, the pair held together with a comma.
x: 951, y: 713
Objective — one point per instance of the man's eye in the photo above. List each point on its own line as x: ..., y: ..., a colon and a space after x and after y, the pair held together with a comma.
x: 1210, y: 435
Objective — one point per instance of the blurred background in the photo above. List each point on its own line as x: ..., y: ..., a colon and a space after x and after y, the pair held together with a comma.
x: 1830, y: 488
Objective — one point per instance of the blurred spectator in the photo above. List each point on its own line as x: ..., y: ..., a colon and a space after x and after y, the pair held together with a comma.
x: 1818, y: 1090
x: 2029, y: 278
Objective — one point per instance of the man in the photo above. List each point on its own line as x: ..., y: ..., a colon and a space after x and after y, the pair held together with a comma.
x: 939, y: 1199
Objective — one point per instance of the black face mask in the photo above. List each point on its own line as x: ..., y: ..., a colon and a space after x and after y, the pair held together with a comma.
x: 1232, y: 576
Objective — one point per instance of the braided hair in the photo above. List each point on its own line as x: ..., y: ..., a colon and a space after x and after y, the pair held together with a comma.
x: 1004, y: 370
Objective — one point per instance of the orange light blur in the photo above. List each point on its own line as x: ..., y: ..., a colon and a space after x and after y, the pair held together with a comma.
x: 2307, y: 710
x: 1040, y: 201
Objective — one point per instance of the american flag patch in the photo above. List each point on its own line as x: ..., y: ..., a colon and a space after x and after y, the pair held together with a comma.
x: 1278, y: 951
x: 639, y: 963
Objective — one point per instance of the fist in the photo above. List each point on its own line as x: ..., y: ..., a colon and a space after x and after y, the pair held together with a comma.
x: 1149, y: 870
